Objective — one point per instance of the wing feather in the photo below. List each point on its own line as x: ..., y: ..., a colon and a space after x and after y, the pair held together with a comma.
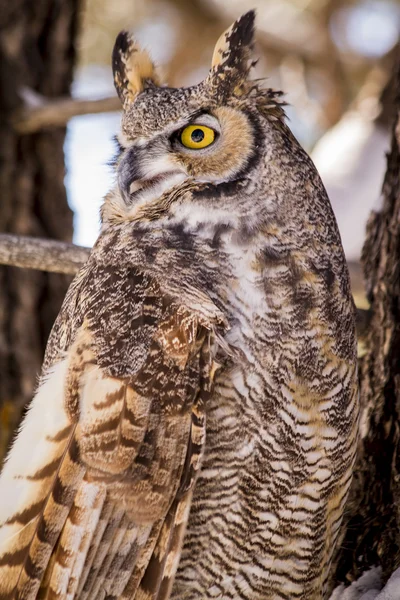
x: 40, y: 480
x: 146, y: 543
x: 95, y: 542
x: 117, y: 577
x: 93, y: 518
x: 157, y: 581
x: 117, y: 541
x: 117, y: 426
x: 50, y: 522
x: 90, y: 588
x: 68, y: 555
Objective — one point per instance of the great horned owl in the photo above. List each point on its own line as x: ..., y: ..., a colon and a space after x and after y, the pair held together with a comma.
x: 201, y: 375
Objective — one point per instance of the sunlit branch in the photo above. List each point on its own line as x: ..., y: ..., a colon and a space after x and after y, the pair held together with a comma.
x: 44, y: 255
x: 57, y: 112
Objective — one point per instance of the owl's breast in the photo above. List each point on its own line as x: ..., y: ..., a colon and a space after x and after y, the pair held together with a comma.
x: 281, y: 437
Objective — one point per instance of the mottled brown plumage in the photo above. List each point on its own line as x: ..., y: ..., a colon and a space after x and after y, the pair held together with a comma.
x: 204, y: 362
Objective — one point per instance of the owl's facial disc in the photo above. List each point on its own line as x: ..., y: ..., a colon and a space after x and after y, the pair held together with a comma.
x: 215, y: 148
x: 208, y: 148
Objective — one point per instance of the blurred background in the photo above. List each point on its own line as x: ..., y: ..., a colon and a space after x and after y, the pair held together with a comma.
x: 333, y: 59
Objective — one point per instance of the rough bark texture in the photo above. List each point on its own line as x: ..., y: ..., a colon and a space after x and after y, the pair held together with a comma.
x: 36, y: 51
x: 373, y: 526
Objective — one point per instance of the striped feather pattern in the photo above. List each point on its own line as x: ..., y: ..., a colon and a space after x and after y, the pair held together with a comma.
x: 39, y: 488
x: 270, y: 497
x: 84, y: 515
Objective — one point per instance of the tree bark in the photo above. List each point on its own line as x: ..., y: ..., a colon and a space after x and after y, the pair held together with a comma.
x: 36, y: 52
x: 372, y: 534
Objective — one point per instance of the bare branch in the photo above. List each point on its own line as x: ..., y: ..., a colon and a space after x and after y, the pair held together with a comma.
x: 58, y: 112
x: 45, y: 255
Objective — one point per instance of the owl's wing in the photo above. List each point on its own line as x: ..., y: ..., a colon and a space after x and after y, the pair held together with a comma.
x: 96, y: 490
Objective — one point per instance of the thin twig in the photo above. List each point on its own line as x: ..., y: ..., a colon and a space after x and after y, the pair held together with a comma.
x: 59, y: 111
x: 44, y: 255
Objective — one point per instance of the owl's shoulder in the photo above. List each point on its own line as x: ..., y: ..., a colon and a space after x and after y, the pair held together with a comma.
x: 123, y: 296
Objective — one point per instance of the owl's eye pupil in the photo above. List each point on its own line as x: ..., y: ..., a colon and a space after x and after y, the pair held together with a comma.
x: 197, y: 136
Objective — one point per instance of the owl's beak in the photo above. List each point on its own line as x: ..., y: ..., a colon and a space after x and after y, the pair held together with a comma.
x: 142, y: 184
x: 148, y: 171
x: 161, y: 182
x: 136, y: 186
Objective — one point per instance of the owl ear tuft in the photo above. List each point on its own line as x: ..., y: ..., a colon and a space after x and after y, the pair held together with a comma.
x: 133, y: 68
x: 231, y: 60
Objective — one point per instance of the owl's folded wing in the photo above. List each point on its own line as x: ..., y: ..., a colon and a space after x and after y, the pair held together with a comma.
x: 96, y: 490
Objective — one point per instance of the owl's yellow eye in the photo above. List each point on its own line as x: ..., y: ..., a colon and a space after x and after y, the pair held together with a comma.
x: 197, y: 136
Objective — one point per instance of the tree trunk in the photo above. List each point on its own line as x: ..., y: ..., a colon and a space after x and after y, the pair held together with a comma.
x: 36, y: 52
x: 373, y: 517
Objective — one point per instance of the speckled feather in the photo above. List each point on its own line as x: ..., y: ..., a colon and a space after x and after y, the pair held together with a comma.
x: 194, y: 432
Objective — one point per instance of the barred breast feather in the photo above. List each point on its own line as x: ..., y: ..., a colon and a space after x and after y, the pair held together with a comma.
x: 97, y: 486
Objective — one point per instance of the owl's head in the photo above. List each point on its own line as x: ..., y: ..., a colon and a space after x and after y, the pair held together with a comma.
x: 217, y: 139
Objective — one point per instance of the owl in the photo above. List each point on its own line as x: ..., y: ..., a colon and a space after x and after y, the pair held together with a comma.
x: 193, y: 432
